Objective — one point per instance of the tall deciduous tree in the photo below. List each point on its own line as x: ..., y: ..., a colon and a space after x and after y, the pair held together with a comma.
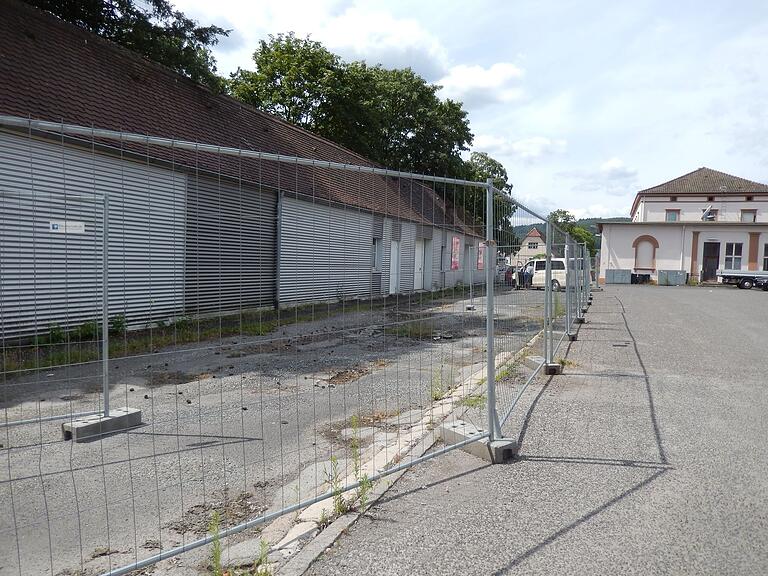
x: 393, y: 117
x: 582, y: 235
x: 153, y: 28
x: 480, y: 167
x: 563, y: 219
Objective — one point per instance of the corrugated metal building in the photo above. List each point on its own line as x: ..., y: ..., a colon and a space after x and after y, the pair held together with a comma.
x: 189, y: 233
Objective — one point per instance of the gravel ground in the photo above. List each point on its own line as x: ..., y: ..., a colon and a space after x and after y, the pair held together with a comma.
x: 228, y: 427
x: 647, y: 457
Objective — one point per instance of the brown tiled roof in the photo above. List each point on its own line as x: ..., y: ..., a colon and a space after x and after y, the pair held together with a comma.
x: 703, y: 182
x: 534, y: 233
x: 52, y: 70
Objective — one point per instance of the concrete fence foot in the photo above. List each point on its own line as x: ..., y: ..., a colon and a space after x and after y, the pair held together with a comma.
x: 494, y: 452
x: 92, y: 427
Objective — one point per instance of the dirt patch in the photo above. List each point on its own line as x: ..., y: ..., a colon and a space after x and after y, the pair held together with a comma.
x: 232, y: 511
x: 347, y: 376
x: 378, y: 420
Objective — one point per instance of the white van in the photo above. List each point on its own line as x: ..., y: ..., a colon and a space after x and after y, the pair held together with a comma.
x: 540, y: 273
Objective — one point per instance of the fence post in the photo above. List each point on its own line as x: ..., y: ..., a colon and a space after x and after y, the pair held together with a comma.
x: 585, y: 276
x: 105, y: 307
x: 494, y: 430
x: 579, y: 283
x: 549, y: 341
x: 568, y: 285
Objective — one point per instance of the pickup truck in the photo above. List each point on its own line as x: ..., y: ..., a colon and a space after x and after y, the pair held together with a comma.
x: 745, y: 279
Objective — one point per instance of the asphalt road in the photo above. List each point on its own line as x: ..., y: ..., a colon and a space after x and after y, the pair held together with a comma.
x: 647, y: 457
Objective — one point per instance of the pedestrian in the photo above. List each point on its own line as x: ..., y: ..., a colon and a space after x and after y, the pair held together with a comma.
x: 528, y: 275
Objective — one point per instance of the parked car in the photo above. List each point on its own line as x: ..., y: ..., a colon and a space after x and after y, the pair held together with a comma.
x: 744, y: 279
x: 540, y: 272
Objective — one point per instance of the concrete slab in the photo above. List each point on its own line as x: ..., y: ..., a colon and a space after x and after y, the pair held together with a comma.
x: 494, y: 452
x: 92, y: 427
x: 553, y: 369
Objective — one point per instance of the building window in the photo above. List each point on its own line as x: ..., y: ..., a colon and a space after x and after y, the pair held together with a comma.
x: 442, y: 257
x: 533, y: 245
x: 749, y: 216
x: 377, y: 254
x: 710, y: 198
x: 749, y: 198
x: 672, y: 216
x: 673, y: 198
x: 765, y: 257
x: 733, y: 255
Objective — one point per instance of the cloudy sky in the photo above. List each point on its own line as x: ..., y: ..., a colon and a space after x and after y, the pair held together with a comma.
x: 584, y: 102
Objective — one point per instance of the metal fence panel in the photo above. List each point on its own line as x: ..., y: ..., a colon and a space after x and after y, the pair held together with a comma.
x: 252, y: 408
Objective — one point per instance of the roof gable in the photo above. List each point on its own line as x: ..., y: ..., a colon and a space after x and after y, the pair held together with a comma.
x: 534, y: 233
x: 703, y: 182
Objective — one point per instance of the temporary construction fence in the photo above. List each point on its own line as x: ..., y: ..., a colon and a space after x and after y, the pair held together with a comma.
x: 197, y: 340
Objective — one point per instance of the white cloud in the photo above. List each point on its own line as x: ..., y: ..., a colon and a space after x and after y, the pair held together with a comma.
x: 476, y: 86
x: 615, y: 169
x: 379, y: 38
x: 355, y: 32
x: 524, y: 149
x: 612, y: 177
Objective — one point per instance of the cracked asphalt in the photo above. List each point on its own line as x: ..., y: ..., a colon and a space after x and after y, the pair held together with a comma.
x: 648, y: 456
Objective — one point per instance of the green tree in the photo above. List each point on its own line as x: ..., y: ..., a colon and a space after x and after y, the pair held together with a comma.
x: 562, y: 219
x: 582, y: 235
x: 393, y: 117
x: 153, y: 28
x: 480, y: 167
x: 296, y: 79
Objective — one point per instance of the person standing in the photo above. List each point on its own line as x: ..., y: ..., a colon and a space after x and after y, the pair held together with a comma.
x: 528, y: 275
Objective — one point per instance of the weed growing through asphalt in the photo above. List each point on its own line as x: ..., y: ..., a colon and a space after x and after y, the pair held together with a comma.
x: 363, y: 490
x: 436, y: 388
x: 261, y: 564
x: 473, y: 401
x: 213, y: 528
x: 340, y: 506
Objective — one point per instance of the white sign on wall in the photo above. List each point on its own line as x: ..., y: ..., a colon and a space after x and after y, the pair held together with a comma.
x: 66, y: 227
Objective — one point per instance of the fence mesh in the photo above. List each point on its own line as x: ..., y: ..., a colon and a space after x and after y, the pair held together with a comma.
x: 289, y: 329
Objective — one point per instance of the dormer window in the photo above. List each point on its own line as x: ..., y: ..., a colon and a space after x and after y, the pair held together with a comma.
x: 749, y: 216
x: 750, y: 198
x: 710, y: 198
x: 673, y: 198
x: 672, y: 216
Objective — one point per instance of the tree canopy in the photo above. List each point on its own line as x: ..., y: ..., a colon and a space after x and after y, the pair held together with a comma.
x: 150, y: 27
x: 567, y: 222
x: 393, y: 117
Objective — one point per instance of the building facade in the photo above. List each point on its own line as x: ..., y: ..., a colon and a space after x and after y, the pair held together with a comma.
x: 694, y: 225
x: 532, y: 245
x: 188, y: 233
